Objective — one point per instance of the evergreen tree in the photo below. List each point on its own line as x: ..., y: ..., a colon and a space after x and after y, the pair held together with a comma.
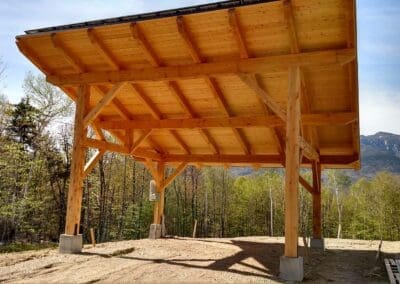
x: 23, y: 126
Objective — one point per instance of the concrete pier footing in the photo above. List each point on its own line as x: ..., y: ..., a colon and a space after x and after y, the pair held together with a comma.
x: 291, y: 268
x: 317, y: 243
x: 70, y: 243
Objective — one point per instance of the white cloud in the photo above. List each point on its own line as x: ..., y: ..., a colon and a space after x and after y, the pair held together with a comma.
x: 379, y: 111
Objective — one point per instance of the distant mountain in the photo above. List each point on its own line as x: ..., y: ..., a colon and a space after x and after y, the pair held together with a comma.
x: 379, y: 152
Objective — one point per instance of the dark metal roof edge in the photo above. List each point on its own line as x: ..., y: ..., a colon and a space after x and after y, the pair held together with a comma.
x: 152, y: 15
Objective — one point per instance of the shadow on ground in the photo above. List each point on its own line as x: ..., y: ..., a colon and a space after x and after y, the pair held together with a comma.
x: 341, y: 265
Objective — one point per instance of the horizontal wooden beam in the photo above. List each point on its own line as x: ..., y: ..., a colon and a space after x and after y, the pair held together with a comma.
x: 270, y: 64
x: 117, y: 148
x: 270, y: 121
x: 220, y: 159
x: 253, y: 159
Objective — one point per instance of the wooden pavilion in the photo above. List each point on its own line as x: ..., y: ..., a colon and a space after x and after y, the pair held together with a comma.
x: 259, y: 83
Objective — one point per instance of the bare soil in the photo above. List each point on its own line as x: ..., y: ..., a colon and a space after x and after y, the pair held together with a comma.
x: 233, y: 260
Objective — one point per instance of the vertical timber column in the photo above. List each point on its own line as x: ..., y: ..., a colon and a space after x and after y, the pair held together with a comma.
x: 156, y: 229
x: 317, y: 241
x: 71, y: 241
x: 161, y: 190
x: 291, y: 266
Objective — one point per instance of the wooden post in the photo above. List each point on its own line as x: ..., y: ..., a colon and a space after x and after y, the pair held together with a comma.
x: 93, y: 239
x: 159, y: 205
x: 77, y: 164
x: 316, y: 170
x: 194, y: 229
x: 292, y: 163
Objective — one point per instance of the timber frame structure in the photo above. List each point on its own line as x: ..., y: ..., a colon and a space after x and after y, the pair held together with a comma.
x: 262, y: 83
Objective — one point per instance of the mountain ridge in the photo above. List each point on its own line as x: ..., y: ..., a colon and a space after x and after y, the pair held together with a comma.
x: 379, y: 152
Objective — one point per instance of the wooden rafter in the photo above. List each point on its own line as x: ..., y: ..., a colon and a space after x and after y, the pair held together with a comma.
x: 268, y: 65
x: 144, y: 44
x: 238, y: 34
x: 113, y: 63
x: 244, y: 54
x: 80, y: 68
x: 101, y: 49
x: 157, y: 114
x: 212, y: 83
x: 146, y: 101
x: 177, y: 93
x: 246, y: 67
x: 270, y: 121
x: 153, y: 59
x: 74, y: 61
x: 187, y: 38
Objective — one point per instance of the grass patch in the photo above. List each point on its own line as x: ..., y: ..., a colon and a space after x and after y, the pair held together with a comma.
x: 18, y: 247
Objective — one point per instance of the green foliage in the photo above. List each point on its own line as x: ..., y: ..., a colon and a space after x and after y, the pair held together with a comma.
x: 24, y: 127
x: 49, y: 101
x: 34, y: 173
x: 18, y: 247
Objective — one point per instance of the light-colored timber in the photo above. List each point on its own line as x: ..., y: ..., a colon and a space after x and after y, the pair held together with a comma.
x: 78, y: 159
x: 316, y: 198
x: 269, y: 121
x: 266, y: 84
x: 292, y: 163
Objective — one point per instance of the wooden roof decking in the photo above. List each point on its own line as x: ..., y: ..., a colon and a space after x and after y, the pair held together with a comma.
x: 211, y: 87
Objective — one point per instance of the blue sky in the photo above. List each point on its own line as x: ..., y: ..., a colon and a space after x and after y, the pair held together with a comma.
x: 378, y: 24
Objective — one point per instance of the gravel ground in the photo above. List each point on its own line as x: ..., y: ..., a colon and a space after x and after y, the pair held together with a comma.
x: 245, y: 259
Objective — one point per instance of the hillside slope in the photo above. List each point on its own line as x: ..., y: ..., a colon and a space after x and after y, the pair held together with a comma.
x: 379, y: 152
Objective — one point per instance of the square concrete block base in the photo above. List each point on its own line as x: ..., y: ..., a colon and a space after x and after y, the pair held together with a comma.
x: 291, y: 268
x: 317, y: 243
x: 70, y: 243
x: 155, y: 231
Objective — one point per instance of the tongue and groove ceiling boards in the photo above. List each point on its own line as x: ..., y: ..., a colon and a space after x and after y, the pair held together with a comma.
x: 209, y: 84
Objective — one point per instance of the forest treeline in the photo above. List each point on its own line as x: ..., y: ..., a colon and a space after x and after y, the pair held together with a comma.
x: 35, y: 158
